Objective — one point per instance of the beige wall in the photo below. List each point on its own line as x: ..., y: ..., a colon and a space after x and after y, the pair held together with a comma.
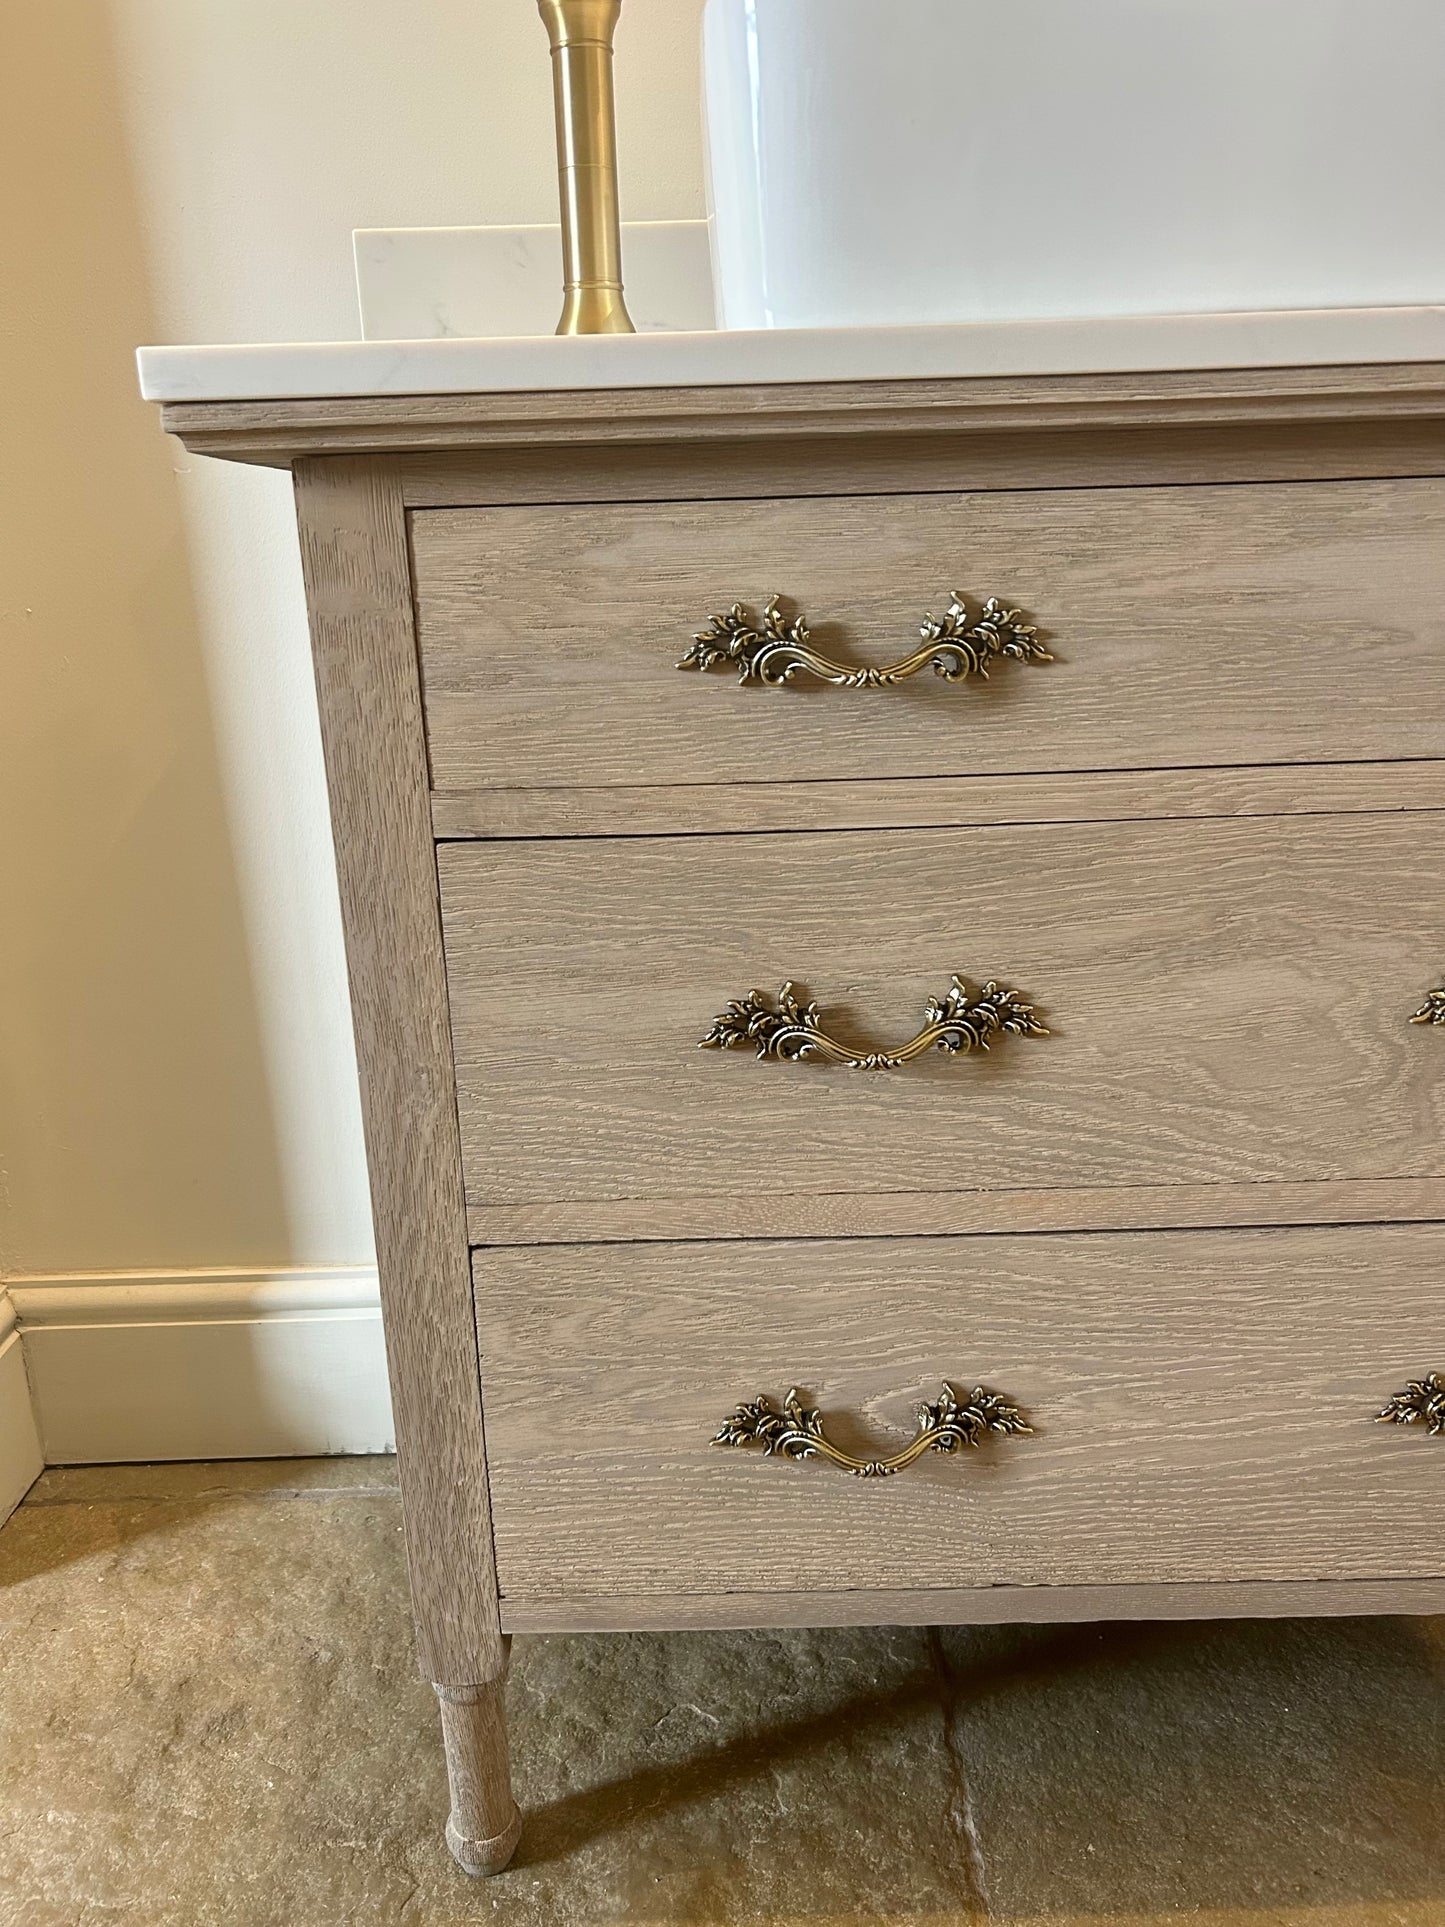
x: 175, y: 1060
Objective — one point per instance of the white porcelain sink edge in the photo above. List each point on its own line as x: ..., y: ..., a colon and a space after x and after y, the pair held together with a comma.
x: 890, y: 162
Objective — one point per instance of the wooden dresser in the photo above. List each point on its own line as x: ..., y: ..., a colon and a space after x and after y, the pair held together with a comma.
x: 1053, y: 871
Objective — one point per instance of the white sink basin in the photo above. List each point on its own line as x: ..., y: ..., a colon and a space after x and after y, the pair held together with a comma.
x: 897, y: 161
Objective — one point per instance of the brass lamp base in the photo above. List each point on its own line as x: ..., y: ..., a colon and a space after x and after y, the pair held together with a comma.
x: 581, y: 33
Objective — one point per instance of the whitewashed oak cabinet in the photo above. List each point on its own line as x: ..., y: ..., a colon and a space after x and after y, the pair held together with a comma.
x: 1063, y: 848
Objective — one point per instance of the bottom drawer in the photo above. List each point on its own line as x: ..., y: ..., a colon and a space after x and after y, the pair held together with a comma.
x: 1202, y: 1406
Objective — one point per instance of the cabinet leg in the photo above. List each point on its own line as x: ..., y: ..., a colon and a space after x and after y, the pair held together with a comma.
x: 484, y: 1824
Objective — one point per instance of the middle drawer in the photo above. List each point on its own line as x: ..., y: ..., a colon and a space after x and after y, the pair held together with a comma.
x: 1228, y: 1004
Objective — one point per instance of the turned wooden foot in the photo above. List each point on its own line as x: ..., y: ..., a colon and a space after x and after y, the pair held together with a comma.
x: 484, y: 1825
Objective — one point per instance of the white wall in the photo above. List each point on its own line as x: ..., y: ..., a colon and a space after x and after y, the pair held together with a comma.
x: 175, y: 1057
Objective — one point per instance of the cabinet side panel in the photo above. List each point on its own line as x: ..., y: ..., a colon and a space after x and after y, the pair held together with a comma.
x: 354, y: 554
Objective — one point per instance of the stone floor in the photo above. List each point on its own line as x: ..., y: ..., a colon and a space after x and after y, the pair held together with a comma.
x: 208, y: 1716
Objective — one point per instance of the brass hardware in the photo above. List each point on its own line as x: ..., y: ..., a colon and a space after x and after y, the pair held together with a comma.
x: 581, y: 34
x: 1421, y: 1403
x: 797, y: 1431
x: 1432, y: 1011
x: 774, y: 651
x: 792, y: 1029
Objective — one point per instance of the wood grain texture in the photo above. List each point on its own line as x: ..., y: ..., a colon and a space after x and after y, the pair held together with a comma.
x: 484, y: 1825
x: 908, y: 463
x: 686, y: 809
x: 281, y: 431
x: 1227, y: 951
x: 970, y: 1605
x: 1203, y: 1402
x: 353, y: 546
x: 1192, y: 627
x: 1228, y: 999
x: 900, y: 1214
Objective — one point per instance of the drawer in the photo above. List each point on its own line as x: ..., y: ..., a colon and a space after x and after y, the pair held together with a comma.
x: 1190, y: 626
x: 1202, y: 1402
x: 1228, y: 1003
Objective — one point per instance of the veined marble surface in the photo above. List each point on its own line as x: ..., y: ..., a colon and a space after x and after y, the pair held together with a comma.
x: 446, y: 283
x: 323, y: 369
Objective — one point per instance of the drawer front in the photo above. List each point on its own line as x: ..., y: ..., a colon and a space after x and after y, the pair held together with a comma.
x: 1228, y: 1004
x: 1203, y: 1409
x: 1189, y: 626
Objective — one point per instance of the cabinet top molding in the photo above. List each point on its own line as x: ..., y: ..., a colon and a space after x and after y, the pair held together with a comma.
x: 978, y: 413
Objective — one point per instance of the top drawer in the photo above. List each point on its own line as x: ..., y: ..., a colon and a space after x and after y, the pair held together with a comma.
x: 1193, y: 626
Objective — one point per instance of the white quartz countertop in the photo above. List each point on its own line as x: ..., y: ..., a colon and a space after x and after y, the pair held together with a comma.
x: 317, y: 370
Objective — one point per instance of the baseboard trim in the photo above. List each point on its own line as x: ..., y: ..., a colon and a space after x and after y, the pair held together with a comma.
x: 21, y: 1462
x: 258, y: 1363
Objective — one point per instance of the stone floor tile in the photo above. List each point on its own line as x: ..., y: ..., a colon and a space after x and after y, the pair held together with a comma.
x: 748, y: 1777
x: 209, y: 1716
x: 1267, y: 1773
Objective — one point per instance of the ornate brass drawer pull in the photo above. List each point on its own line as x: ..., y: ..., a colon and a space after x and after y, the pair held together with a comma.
x: 797, y: 1431
x: 1432, y: 1011
x: 1421, y: 1403
x: 774, y: 650
x: 791, y: 1029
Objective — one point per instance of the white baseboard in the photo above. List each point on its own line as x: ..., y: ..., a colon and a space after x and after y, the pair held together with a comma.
x: 20, y: 1459
x: 137, y: 1366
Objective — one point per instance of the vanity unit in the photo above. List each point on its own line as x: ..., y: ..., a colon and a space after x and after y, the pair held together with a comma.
x: 1029, y: 789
